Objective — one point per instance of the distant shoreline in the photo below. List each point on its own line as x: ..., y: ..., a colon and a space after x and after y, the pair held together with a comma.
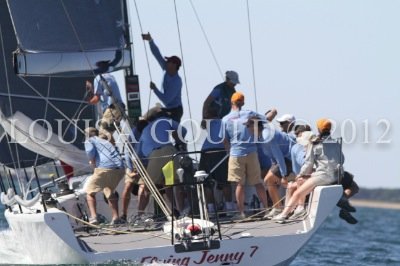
x: 375, y: 204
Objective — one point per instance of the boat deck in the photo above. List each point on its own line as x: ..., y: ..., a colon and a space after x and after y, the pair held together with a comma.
x: 124, y: 238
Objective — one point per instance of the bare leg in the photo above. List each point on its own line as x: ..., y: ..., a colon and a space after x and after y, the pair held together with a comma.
x: 126, y: 197
x: 261, y: 194
x: 143, y: 199
x: 113, y: 203
x: 240, y: 197
x: 350, y: 192
x: 91, y: 200
x: 227, y: 192
x: 301, y: 192
x: 272, y: 182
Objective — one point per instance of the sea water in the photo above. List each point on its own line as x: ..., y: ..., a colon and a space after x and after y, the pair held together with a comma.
x: 375, y: 240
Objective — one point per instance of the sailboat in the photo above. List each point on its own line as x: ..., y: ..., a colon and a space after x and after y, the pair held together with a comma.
x: 53, y: 55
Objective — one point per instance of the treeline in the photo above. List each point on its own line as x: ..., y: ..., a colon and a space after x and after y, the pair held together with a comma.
x: 379, y: 194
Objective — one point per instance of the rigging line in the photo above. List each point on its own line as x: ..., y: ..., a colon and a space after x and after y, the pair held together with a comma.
x: 145, y: 52
x: 112, y: 230
x: 184, y: 76
x: 207, y: 40
x: 51, y: 104
x: 143, y: 173
x: 46, y: 108
x: 252, y: 54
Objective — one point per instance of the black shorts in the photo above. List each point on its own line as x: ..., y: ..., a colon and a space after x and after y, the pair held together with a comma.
x: 209, y: 159
x: 275, y: 168
x: 347, y: 180
x: 175, y: 113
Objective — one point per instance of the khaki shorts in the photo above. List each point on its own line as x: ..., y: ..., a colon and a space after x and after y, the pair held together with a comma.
x: 245, y: 170
x: 129, y: 179
x: 110, y: 115
x: 157, y: 159
x: 105, y: 180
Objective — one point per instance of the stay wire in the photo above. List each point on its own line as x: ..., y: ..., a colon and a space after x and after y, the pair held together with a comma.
x: 184, y: 75
x: 252, y: 54
x: 207, y: 40
x: 145, y: 52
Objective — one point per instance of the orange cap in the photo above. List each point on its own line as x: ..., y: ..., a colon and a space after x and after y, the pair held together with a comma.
x: 324, y: 125
x: 237, y: 97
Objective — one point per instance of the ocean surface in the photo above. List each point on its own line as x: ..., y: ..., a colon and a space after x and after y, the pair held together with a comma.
x: 375, y: 240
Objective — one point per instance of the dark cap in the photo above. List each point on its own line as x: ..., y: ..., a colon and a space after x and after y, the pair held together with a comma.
x: 175, y: 60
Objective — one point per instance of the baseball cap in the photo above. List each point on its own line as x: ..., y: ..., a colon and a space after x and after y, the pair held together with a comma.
x: 237, y: 97
x: 286, y: 118
x: 174, y: 59
x: 232, y: 76
x: 324, y: 125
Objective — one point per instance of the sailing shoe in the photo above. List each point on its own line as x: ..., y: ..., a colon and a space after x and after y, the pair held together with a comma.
x: 280, y: 218
x: 117, y: 221
x: 344, y: 204
x: 238, y: 217
x: 298, y: 214
x: 272, y: 213
x: 93, y: 221
x: 345, y: 215
x: 123, y: 218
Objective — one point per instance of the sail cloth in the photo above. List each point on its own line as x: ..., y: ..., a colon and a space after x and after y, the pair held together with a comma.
x: 16, y: 94
x: 69, y: 37
x: 35, y: 137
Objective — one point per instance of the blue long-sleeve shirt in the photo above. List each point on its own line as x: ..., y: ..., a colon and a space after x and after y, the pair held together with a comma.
x: 157, y: 134
x: 107, y: 98
x: 103, y: 152
x: 171, y: 85
x: 298, y: 153
x: 277, y: 146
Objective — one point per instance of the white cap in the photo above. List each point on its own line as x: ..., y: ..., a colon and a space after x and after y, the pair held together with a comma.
x: 286, y: 118
x: 232, y: 76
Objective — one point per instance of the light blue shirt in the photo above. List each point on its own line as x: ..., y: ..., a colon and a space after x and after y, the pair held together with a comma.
x: 298, y: 154
x: 103, y: 152
x: 265, y: 160
x: 276, y: 145
x: 213, y: 140
x: 105, y: 97
x: 157, y: 134
x: 171, y: 85
x: 233, y: 129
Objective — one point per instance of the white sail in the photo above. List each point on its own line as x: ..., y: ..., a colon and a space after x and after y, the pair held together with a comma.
x: 38, y: 139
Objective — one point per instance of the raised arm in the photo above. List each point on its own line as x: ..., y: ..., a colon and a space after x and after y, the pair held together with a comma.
x: 154, y: 50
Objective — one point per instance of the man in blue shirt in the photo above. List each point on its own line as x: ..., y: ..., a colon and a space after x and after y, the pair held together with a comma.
x: 172, y: 82
x: 213, y: 153
x: 131, y: 175
x: 156, y: 146
x: 220, y: 96
x: 277, y: 146
x: 243, y: 165
x: 106, y: 91
x: 108, y: 172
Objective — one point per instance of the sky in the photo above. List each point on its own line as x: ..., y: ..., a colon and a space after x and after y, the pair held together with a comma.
x: 336, y: 59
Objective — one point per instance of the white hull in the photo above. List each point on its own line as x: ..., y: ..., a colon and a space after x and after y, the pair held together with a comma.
x: 48, y: 238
